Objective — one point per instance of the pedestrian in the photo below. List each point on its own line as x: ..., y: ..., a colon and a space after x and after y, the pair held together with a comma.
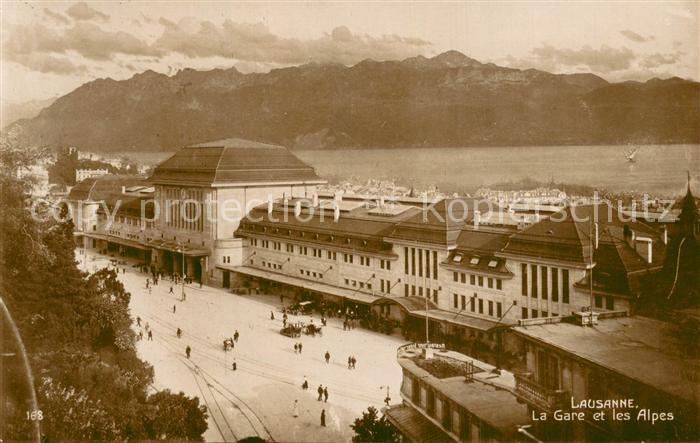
x: 320, y: 392
x: 174, y: 309
x: 147, y: 282
x: 234, y: 366
x: 345, y: 325
x: 147, y: 327
x: 305, y: 385
x: 354, y: 360
x: 179, y: 332
x: 281, y: 299
x: 284, y: 322
x: 188, y: 350
x: 272, y: 315
x: 138, y: 321
x: 150, y: 335
x: 323, y: 418
x: 325, y: 394
x: 295, y: 411
x: 140, y: 335
x: 235, y: 336
x: 300, y: 347
x: 328, y: 357
x: 349, y: 362
x: 171, y: 290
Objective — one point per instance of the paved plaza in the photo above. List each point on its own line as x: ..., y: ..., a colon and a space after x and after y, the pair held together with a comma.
x: 257, y: 398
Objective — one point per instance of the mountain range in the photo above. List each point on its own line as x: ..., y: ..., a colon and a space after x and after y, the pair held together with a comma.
x: 446, y: 100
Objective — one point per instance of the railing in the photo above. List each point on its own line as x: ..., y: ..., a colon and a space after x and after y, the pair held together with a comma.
x: 539, y: 321
x: 537, y: 395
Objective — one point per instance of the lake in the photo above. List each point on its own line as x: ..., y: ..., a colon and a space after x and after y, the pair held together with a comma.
x: 659, y: 169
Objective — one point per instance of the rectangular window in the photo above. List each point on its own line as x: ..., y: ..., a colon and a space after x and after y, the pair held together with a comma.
x: 405, y: 260
x: 420, y: 291
x: 545, y: 314
x: 533, y: 268
x: 499, y: 284
x: 481, y: 306
x: 523, y: 313
x: 598, y: 301
x: 435, y: 295
x: 405, y: 290
x: 609, y: 302
x: 388, y: 265
x: 413, y: 289
x: 435, y: 266
x: 534, y: 313
x: 413, y: 261
x: 490, y: 282
x: 555, y: 284
x: 472, y: 279
x: 565, y: 285
x: 499, y: 310
x: 463, y: 277
x: 420, y: 263
x: 455, y: 276
x: 472, y: 303
x: 455, y: 300
x: 427, y: 264
x: 523, y: 273
x: 481, y: 281
x: 545, y: 291
x: 490, y: 308
x: 464, y: 302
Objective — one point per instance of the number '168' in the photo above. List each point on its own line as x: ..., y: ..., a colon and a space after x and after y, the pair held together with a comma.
x: 35, y: 415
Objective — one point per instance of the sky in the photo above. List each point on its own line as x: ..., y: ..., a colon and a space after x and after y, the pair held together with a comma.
x: 50, y: 48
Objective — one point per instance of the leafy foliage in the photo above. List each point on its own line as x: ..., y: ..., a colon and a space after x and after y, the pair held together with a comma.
x: 89, y: 381
x: 371, y: 428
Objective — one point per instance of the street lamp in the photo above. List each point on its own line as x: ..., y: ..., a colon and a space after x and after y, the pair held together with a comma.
x: 182, y: 276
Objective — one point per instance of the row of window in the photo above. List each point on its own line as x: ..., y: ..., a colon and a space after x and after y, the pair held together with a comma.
x: 184, y: 208
x: 267, y: 264
x: 318, y: 253
x: 385, y: 286
x: 308, y: 273
x: 418, y: 290
x: 534, y: 313
x: 544, y: 290
x: 360, y: 284
x: 475, y: 280
x: 420, y: 262
x: 476, y: 304
x: 227, y: 259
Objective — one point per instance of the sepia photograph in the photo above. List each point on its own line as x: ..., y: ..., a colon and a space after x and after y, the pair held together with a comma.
x: 350, y: 221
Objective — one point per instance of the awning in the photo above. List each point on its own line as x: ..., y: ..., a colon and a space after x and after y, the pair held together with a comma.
x: 414, y: 425
x: 118, y: 240
x: 459, y: 319
x: 356, y: 296
x: 173, y: 246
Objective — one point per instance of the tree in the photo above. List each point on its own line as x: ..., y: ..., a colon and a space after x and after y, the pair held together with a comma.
x: 175, y: 416
x: 89, y: 382
x: 370, y: 428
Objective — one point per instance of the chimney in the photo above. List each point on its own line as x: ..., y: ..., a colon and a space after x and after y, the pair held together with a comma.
x: 269, y: 204
x: 315, y: 200
x: 477, y: 218
x: 336, y: 212
x: 297, y: 208
x: 664, y: 234
x: 643, y: 248
x: 123, y: 189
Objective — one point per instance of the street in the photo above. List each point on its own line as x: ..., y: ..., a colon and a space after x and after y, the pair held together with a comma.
x: 257, y: 398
